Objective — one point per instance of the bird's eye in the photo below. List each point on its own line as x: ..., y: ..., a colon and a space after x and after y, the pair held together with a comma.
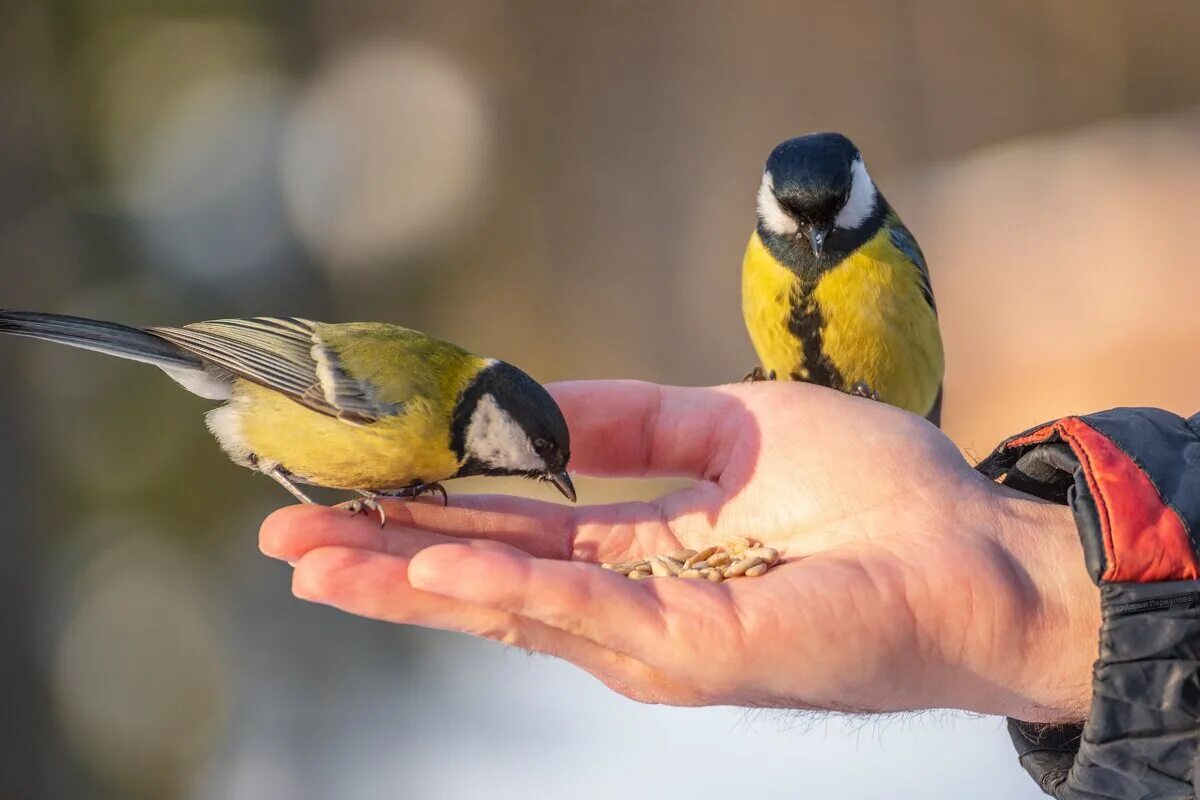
x: 540, y: 446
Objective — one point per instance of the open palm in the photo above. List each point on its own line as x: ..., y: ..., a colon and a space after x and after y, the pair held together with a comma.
x: 897, y: 588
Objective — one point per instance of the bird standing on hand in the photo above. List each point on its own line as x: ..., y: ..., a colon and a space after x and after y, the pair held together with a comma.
x: 835, y: 290
x: 379, y: 409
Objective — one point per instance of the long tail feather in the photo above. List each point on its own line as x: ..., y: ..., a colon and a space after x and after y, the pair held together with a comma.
x: 104, y: 337
x: 121, y: 341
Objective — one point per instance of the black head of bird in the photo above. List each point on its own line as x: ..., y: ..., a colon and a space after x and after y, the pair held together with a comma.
x: 816, y: 191
x: 505, y: 423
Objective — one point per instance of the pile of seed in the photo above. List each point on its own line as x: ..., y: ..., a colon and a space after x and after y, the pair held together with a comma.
x: 740, y: 558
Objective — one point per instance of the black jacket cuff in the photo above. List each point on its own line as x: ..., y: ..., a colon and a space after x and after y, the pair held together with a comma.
x: 1132, y: 479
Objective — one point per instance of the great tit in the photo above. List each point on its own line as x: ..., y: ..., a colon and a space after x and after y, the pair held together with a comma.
x: 363, y: 406
x: 835, y: 290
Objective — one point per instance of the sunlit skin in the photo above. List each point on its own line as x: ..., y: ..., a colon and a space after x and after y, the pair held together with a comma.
x: 909, y: 582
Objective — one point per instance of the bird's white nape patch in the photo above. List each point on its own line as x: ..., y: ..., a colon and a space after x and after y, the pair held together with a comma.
x: 773, y: 217
x: 861, y: 201
x: 496, y: 439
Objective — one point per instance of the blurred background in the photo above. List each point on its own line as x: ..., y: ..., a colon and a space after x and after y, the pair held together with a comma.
x: 567, y: 185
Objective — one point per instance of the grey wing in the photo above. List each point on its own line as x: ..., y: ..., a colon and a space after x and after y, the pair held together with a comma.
x: 906, y: 243
x: 285, y: 354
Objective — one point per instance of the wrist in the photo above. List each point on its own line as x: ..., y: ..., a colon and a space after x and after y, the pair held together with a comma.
x: 1042, y: 665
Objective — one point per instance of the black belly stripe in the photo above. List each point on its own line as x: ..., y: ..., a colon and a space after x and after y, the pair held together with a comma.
x: 807, y: 323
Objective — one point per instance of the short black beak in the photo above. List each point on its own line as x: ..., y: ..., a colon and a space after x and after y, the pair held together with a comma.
x: 562, y: 482
x: 816, y: 238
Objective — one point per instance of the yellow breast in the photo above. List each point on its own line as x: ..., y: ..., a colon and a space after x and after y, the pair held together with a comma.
x: 877, y: 326
x: 768, y: 290
x: 397, y: 451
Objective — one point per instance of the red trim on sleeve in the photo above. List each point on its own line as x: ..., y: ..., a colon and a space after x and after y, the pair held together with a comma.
x: 1033, y: 437
x: 1144, y: 539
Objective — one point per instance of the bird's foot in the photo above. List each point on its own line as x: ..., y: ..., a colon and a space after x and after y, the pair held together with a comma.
x: 413, y: 492
x: 758, y: 374
x: 862, y: 389
x: 368, y: 504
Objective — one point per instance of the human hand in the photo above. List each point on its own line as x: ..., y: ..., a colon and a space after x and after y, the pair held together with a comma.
x: 909, y: 580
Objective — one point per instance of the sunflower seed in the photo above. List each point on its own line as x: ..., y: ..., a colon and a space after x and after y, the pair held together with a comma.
x: 738, y: 568
x: 698, y: 557
x: 738, y: 544
x: 672, y: 566
x: 744, y: 557
x: 719, y: 560
x: 768, y: 554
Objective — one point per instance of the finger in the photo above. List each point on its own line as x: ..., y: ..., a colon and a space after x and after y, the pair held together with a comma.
x: 612, y: 532
x: 632, y: 429
x: 374, y: 584
x: 539, y: 528
x: 370, y: 584
x: 577, y: 598
x: 542, y: 529
x: 292, y: 531
x: 615, y: 532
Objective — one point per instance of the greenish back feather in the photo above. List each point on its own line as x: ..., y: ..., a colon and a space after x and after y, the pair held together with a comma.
x: 359, y: 372
x: 400, y: 363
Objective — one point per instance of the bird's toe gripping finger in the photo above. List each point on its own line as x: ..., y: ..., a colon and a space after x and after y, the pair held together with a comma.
x: 758, y: 374
x: 862, y: 389
x: 367, y: 505
x: 437, y: 487
x: 413, y: 492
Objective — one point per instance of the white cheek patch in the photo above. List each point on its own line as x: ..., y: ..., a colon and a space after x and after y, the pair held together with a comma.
x: 773, y: 217
x: 497, y: 440
x: 861, y: 202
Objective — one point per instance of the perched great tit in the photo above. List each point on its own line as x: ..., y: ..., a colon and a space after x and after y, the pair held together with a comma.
x: 835, y: 290
x: 379, y: 409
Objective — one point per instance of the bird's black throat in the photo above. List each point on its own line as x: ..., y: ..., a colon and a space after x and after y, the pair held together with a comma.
x: 795, y: 252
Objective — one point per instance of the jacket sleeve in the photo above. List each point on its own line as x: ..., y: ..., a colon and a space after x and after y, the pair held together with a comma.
x: 1132, y: 480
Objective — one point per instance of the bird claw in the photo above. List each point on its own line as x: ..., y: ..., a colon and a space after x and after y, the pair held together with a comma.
x: 369, y: 502
x: 862, y: 389
x: 430, y: 488
x: 758, y: 374
x: 367, y: 505
x: 413, y: 492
